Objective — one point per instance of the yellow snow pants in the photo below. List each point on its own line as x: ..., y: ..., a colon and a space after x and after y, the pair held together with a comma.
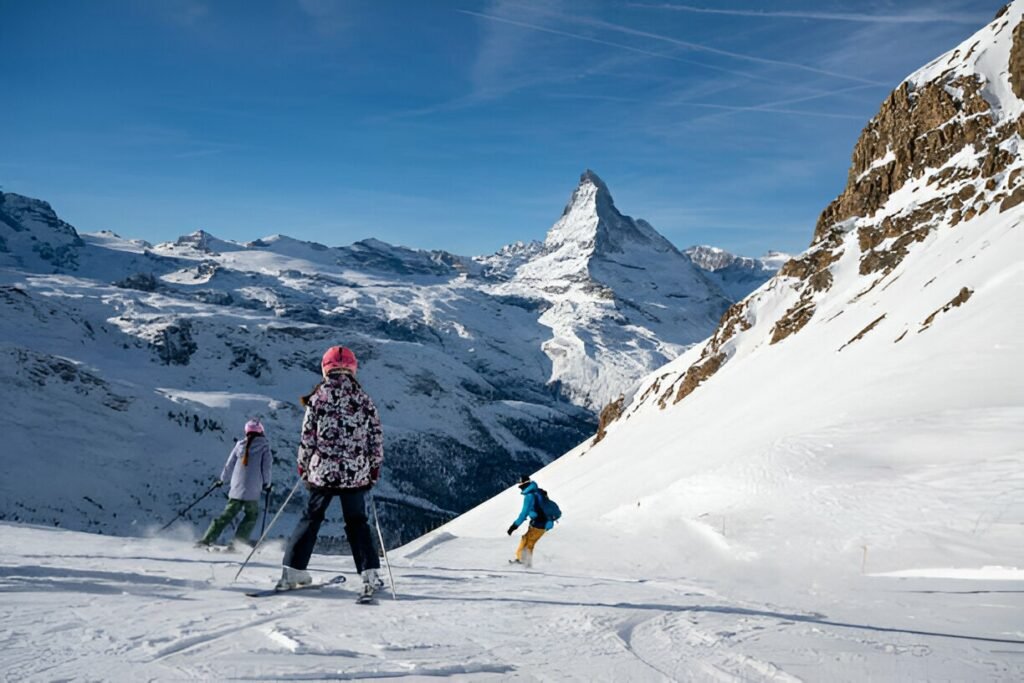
x: 529, y: 540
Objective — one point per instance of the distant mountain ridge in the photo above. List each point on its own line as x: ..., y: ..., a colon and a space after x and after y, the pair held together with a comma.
x: 483, y: 367
x: 737, y: 276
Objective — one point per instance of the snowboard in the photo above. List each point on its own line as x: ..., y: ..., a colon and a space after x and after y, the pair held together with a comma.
x: 333, y: 581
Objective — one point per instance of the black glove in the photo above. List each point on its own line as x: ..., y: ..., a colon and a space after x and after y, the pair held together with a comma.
x: 267, y: 487
x: 512, y: 529
x: 218, y: 483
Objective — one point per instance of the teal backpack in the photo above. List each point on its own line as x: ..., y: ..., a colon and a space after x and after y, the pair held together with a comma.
x: 548, y: 508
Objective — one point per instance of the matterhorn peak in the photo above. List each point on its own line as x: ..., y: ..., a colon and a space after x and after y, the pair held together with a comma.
x: 591, y: 195
x: 591, y: 222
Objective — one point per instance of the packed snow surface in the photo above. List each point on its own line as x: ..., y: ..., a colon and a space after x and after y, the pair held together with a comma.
x: 84, y: 607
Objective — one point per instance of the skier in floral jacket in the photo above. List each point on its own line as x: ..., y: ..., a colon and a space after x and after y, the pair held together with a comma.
x: 340, y: 454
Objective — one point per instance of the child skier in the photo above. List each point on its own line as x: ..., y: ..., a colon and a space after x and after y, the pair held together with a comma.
x: 248, y: 470
x: 340, y: 454
x: 542, y: 512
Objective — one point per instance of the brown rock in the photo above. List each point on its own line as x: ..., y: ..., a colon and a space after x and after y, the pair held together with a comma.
x: 922, y: 129
x: 610, y: 413
x: 860, y: 335
x: 733, y: 321
x: 1017, y: 61
x: 698, y: 373
x: 1015, y: 198
x: 961, y: 298
x: 793, y: 320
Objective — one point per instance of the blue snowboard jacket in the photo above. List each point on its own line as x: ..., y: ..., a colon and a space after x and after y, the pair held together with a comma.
x: 532, y: 508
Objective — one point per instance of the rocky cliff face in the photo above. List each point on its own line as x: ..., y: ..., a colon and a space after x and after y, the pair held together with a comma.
x: 944, y: 151
x: 32, y: 235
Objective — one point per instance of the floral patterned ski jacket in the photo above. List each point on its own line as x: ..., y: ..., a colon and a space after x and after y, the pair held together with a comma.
x: 342, y: 445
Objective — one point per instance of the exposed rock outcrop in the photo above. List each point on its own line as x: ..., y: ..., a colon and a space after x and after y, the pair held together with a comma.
x: 1017, y: 61
x: 610, y: 413
x: 944, y: 148
x: 961, y: 298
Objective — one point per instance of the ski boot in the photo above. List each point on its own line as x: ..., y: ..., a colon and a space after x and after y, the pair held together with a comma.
x: 293, y: 578
x: 373, y: 577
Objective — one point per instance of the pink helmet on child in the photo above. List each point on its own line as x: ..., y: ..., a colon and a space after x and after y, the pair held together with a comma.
x: 339, y: 358
x: 254, y: 426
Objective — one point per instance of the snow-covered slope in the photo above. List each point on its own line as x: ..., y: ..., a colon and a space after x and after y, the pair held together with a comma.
x: 735, y: 275
x: 862, y: 413
x: 154, y: 356
x: 83, y: 607
x: 872, y: 392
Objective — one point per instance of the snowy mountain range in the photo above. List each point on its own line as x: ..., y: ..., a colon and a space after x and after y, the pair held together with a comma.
x: 825, y: 488
x: 735, y: 275
x: 154, y: 355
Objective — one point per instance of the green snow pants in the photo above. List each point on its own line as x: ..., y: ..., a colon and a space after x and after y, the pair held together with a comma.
x: 252, y: 512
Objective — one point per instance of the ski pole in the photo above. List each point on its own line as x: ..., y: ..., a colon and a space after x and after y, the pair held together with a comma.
x: 266, y: 508
x: 267, y: 531
x: 376, y: 522
x: 194, y: 503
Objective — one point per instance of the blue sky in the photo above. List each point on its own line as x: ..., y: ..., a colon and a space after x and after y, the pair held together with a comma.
x: 459, y: 125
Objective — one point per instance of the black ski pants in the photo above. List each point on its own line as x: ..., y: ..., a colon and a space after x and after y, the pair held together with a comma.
x: 357, y: 528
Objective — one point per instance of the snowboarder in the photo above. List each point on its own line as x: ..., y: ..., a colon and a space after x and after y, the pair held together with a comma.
x: 341, y: 450
x: 248, y: 470
x: 542, y: 511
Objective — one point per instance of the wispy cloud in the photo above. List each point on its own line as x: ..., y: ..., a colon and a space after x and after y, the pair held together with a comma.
x: 775, y: 106
x: 177, y: 143
x: 495, y: 88
x: 329, y: 16
x: 774, y: 110
x: 186, y: 13
x: 609, y: 43
x: 917, y: 17
x: 593, y: 98
x: 499, y: 68
x: 619, y: 28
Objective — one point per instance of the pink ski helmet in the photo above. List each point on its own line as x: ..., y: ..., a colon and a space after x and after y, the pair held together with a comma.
x: 254, y: 426
x: 339, y: 358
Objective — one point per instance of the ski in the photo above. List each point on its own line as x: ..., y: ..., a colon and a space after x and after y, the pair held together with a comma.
x: 333, y: 581
x: 221, y: 549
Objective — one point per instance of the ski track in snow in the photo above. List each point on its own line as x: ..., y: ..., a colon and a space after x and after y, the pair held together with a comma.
x: 134, y: 609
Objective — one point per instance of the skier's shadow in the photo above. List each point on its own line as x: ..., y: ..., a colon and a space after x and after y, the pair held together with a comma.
x: 33, y: 579
x: 719, y: 609
x: 203, y: 561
